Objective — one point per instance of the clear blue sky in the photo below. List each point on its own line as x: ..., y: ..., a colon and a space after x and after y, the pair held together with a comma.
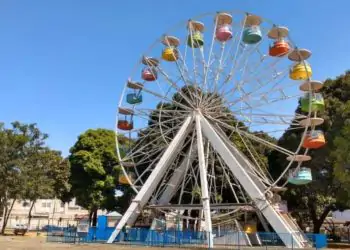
x: 63, y: 63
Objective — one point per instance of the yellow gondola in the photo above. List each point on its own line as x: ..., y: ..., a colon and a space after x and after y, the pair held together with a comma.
x: 124, y: 180
x: 300, y: 71
x: 170, y: 52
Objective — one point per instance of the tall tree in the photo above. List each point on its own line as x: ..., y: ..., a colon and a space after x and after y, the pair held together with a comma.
x: 16, y: 145
x: 94, y: 171
x: 328, y: 191
x: 45, y: 176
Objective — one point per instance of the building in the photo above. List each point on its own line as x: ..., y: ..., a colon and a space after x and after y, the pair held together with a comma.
x: 47, y: 212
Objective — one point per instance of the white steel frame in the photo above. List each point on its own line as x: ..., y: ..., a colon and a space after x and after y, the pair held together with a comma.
x: 238, y: 165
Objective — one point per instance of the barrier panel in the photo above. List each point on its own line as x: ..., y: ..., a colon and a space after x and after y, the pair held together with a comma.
x: 187, y: 238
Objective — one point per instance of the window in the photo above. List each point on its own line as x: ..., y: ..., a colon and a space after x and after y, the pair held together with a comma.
x: 62, y: 204
x: 46, y: 204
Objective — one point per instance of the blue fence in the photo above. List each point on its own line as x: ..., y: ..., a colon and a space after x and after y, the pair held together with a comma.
x: 142, y: 236
x: 147, y: 237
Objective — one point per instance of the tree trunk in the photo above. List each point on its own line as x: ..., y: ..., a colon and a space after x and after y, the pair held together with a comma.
x: 94, y: 217
x: 3, y: 220
x: 317, y: 226
x: 318, y: 221
x: 30, y: 214
x: 3, y: 211
x: 90, y: 217
x: 7, y: 215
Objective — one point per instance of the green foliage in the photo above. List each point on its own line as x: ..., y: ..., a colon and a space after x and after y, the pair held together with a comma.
x: 94, y: 170
x: 28, y: 169
x: 18, y: 144
x: 329, y: 189
x: 45, y: 174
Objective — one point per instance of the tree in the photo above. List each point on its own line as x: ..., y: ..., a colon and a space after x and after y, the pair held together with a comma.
x: 16, y: 144
x: 94, y: 171
x: 45, y: 176
x: 28, y: 168
x: 328, y: 191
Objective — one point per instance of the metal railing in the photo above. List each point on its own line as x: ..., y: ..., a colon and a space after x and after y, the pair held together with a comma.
x: 182, y: 239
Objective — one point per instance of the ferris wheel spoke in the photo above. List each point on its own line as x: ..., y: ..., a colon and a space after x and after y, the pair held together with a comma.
x: 277, y: 131
x: 142, y: 156
x: 173, y: 84
x: 266, y: 143
x: 231, y: 185
x: 261, y: 167
x: 164, y: 124
x: 231, y: 72
x: 186, y: 79
x: 146, y: 110
x: 152, y: 131
x: 219, y: 68
x: 250, y: 170
x: 253, y: 120
x: 182, y: 70
x: 152, y: 142
x: 193, y: 52
x: 165, y: 98
x: 258, y: 72
x: 221, y: 88
x: 243, y: 82
x: 163, y: 184
x: 268, y: 102
x: 260, y: 67
x: 238, y: 63
x: 147, y: 170
x: 222, y: 61
x: 149, y: 157
x: 146, y: 116
x: 188, y: 162
x: 254, y: 92
x: 150, y: 147
x: 152, y: 127
x: 206, y: 64
x: 151, y: 165
x: 251, y: 136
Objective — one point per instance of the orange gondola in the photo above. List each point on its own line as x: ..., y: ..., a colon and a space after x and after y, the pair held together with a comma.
x: 279, y: 48
x: 125, y: 125
x: 314, y: 139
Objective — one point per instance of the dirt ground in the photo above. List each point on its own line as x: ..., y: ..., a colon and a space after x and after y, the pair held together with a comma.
x: 31, y: 242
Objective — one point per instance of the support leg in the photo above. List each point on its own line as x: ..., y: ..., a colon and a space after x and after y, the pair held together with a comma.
x: 235, y: 161
x: 204, y: 184
x: 177, y: 177
x: 153, y: 180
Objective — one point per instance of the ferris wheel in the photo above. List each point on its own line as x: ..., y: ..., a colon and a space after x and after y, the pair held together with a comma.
x: 204, y: 106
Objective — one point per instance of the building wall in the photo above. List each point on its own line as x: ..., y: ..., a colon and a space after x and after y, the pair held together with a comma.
x: 46, y: 212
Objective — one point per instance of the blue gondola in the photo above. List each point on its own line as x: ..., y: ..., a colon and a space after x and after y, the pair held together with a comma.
x: 252, y: 35
x: 134, y: 98
x: 301, y: 177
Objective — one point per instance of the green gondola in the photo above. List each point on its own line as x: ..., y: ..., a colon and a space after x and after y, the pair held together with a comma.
x: 317, y: 102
